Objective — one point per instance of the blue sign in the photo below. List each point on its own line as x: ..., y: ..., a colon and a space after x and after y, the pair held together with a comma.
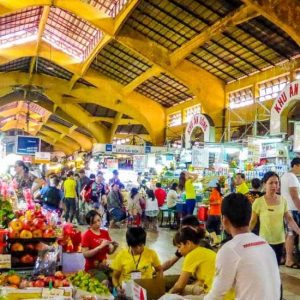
x: 147, y: 149
x: 108, y: 148
x: 28, y: 145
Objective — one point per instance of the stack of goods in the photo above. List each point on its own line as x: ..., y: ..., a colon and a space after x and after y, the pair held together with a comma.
x: 70, y: 239
x: 88, y: 286
x: 25, y: 235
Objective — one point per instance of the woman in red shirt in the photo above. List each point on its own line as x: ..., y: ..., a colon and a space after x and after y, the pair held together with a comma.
x: 96, y: 243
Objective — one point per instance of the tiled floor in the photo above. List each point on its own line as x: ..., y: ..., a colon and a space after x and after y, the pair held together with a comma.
x: 162, y: 243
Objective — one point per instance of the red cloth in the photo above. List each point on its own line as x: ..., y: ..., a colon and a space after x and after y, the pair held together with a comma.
x: 161, y: 196
x: 91, y: 240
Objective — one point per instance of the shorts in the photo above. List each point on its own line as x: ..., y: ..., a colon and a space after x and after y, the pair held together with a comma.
x: 296, y: 216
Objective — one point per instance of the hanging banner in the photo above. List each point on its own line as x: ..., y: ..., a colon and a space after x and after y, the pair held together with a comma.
x: 203, y: 122
x: 288, y: 95
x: 42, y: 157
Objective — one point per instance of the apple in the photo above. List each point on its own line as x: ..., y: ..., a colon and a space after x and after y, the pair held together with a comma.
x: 27, y: 259
x: 59, y: 275
x: 29, y: 247
x: 65, y: 282
x: 57, y: 283
x: 39, y: 223
x: 22, y: 218
x: 37, y: 233
x: 16, y: 225
x: 48, y: 279
x: 29, y: 215
x: 25, y: 234
x: 40, y: 247
x: 12, y: 234
x: 49, y: 233
x: 26, y: 224
x: 39, y: 283
x: 16, y: 247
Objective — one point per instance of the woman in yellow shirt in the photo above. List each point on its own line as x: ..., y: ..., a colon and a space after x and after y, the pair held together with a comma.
x: 186, y: 180
x: 272, y: 211
x: 137, y: 261
x: 199, y: 262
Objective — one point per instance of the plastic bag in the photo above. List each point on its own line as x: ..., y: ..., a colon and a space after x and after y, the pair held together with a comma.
x: 46, y: 262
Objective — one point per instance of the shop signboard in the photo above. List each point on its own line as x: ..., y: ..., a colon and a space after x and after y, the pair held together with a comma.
x: 288, y: 95
x: 5, y: 261
x: 254, y: 150
x: 147, y: 149
x: 296, y: 146
x: 42, y: 157
x: 203, y: 122
x: 199, y: 158
x: 27, y: 145
x: 128, y: 149
x: 139, y: 163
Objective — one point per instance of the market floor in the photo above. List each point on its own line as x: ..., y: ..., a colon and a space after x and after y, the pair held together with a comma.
x: 162, y: 243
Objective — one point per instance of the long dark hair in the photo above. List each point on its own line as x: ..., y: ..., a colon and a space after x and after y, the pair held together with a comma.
x: 150, y: 194
x: 21, y: 163
x: 182, y: 180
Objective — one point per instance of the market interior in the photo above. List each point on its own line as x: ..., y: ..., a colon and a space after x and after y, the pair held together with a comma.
x: 100, y: 98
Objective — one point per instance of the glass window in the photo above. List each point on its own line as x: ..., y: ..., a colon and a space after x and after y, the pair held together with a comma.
x: 241, y: 98
x: 174, y: 119
x: 270, y: 89
x: 190, y: 111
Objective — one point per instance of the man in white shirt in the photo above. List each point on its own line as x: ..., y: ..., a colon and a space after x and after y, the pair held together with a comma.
x: 246, y: 263
x: 290, y: 190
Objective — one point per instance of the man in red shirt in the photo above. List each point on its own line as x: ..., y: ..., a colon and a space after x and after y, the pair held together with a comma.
x: 160, y: 194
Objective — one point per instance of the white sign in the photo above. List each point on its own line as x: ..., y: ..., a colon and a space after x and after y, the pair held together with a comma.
x: 199, y: 158
x: 288, y: 95
x: 128, y: 149
x: 139, y: 163
x: 5, y: 261
x: 122, y: 149
x: 42, y: 157
x: 199, y: 121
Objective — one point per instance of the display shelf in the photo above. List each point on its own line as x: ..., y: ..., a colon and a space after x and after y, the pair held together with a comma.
x: 32, y: 240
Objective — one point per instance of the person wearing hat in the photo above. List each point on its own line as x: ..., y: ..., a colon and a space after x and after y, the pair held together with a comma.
x: 115, y: 179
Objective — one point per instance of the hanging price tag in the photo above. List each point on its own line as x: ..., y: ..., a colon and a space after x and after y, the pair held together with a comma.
x: 5, y: 261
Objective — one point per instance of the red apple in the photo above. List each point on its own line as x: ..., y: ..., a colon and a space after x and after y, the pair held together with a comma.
x: 48, y: 279
x: 39, y: 223
x: 29, y: 247
x: 13, y: 234
x: 37, y: 233
x: 16, y: 225
x: 27, y: 259
x: 49, y: 233
x: 65, y: 282
x: 26, y: 224
x: 25, y: 234
x: 39, y: 283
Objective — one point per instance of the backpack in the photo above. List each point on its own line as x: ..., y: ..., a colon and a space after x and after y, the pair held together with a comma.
x: 52, y: 196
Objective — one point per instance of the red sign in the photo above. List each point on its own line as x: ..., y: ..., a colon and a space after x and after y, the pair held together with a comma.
x: 197, y: 121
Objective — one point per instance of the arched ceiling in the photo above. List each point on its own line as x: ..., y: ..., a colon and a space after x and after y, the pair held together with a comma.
x: 107, y: 68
